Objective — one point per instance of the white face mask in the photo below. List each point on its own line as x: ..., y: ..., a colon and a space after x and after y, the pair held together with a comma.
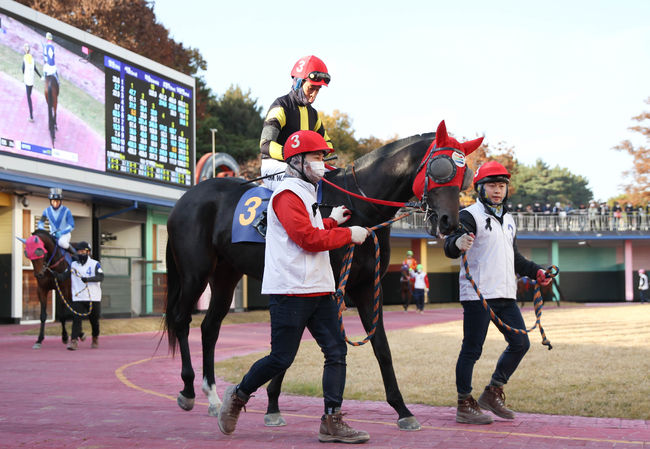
x: 317, y: 168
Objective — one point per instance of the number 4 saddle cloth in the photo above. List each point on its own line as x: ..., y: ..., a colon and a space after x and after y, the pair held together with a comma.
x: 249, y: 221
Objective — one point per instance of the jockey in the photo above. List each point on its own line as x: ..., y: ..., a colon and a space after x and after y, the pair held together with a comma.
x: 291, y: 113
x: 49, y: 65
x: 61, y: 221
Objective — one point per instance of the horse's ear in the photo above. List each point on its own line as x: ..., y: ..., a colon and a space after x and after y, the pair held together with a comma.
x: 471, y: 145
x: 441, y: 134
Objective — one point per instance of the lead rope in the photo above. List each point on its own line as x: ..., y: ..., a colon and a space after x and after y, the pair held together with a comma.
x: 339, y: 294
x: 538, y: 302
x: 58, y: 289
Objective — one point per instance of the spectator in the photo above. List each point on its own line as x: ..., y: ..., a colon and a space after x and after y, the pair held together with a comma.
x: 643, y: 286
x: 420, y: 288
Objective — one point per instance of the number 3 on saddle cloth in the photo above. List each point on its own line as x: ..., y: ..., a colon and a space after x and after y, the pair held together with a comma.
x: 249, y: 221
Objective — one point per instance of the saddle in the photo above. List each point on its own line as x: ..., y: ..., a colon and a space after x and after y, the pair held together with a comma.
x: 249, y: 220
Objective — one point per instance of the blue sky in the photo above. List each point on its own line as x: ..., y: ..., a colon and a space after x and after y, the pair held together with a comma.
x: 557, y: 80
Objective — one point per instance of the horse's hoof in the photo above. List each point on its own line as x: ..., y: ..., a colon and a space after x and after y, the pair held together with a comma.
x: 274, y: 420
x: 36, y: 346
x: 185, y: 403
x: 409, y: 423
x: 213, y: 410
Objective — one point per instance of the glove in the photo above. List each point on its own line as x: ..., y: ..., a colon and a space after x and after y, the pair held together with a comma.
x: 464, y: 242
x: 359, y: 234
x: 84, y: 280
x: 57, y: 235
x: 542, y: 279
x: 341, y: 214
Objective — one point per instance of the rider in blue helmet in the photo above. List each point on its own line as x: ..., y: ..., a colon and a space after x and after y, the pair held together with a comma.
x: 61, y: 221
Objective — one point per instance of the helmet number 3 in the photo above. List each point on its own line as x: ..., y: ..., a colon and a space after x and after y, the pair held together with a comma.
x: 295, y: 141
x: 301, y: 65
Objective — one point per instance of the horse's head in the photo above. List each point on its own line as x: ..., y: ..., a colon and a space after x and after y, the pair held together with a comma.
x: 37, y: 247
x: 442, y: 175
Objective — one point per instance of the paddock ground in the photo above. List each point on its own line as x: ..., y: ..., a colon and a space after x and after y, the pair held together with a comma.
x: 123, y: 395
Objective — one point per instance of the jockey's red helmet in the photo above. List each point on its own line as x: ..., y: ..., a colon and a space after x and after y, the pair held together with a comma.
x: 491, y: 172
x: 304, y: 141
x: 313, y: 69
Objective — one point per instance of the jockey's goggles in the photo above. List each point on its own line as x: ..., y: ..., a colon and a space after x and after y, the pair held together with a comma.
x: 319, y: 77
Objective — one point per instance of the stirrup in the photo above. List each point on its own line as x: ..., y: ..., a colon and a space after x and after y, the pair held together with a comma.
x: 260, y: 223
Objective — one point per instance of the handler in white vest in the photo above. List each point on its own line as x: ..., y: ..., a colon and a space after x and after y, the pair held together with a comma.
x: 29, y: 68
x: 487, y: 236
x: 86, y: 275
x: 299, y: 279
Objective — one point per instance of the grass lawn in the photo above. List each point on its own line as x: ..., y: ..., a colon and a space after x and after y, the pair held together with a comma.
x: 599, y: 365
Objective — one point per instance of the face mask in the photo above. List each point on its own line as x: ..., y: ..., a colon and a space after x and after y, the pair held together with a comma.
x: 317, y: 168
x: 83, y: 258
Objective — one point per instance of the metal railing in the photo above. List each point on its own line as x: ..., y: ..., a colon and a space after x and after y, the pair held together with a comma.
x: 575, y: 221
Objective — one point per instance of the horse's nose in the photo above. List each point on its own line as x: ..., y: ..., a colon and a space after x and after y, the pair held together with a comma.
x: 445, y: 225
x: 39, y: 275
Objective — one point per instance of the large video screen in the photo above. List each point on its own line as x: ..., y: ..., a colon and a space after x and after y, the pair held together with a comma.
x: 68, y: 103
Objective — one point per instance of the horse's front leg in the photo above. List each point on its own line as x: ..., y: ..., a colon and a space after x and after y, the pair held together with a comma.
x: 42, y: 298
x: 363, y: 298
x: 273, y: 417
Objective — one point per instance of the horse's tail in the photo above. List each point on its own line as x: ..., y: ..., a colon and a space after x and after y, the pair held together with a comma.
x: 173, y: 296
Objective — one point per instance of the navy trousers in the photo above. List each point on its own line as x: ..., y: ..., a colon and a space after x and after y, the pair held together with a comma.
x: 475, y: 326
x: 289, y: 317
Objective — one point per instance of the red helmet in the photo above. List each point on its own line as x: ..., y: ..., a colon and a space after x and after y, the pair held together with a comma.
x: 311, y: 68
x: 304, y: 141
x: 491, y: 172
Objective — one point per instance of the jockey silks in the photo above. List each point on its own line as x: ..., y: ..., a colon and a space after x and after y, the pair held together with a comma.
x: 288, y: 268
x: 491, y: 258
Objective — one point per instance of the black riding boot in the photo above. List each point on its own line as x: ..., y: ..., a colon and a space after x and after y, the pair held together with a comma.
x: 73, y: 253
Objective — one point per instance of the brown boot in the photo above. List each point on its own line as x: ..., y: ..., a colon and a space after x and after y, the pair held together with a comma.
x: 334, y: 430
x: 73, y: 345
x: 95, y: 343
x: 230, y: 409
x: 494, y: 399
x: 468, y: 412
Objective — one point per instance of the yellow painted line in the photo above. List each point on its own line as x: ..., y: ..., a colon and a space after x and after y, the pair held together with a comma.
x: 119, y: 373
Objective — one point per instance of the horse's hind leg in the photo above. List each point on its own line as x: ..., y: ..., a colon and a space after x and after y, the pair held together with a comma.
x: 363, y: 298
x: 222, y: 287
x: 273, y: 418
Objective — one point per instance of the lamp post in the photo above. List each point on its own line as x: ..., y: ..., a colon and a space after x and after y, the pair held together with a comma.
x: 214, y: 169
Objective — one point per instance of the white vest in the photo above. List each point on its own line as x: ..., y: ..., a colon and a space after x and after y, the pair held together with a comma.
x: 289, y: 269
x: 491, y: 258
x: 28, y: 76
x: 81, y: 291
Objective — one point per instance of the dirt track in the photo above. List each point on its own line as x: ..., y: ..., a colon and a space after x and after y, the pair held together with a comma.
x: 123, y: 395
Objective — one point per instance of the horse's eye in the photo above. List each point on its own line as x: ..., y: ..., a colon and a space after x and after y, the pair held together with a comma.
x: 26, y: 255
x: 39, y: 252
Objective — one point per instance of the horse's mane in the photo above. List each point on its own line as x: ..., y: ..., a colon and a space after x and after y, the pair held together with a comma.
x: 42, y: 233
x: 391, y: 148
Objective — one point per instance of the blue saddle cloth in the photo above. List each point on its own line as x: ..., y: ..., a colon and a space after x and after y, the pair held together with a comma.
x: 252, y: 203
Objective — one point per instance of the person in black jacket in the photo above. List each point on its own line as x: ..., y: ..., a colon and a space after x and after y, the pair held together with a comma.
x: 487, y: 236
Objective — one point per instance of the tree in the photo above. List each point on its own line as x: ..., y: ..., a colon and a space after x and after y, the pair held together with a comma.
x: 339, y: 128
x: 238, y: 119
x: 638, y: 190
x: 540, y: 183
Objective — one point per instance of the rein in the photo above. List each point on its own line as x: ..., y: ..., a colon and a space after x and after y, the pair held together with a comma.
x: 538, y: 302
x: 415, y: 204
x: 343, y: 279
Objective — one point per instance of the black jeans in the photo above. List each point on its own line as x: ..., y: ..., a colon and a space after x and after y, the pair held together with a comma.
x: 82, y: 307
x: 475, y: 326
x: 289, y: 317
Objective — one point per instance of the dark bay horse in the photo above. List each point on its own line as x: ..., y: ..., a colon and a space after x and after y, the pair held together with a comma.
x: 52, y: 272
x: 51, y: 96
x: 200, y: 252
